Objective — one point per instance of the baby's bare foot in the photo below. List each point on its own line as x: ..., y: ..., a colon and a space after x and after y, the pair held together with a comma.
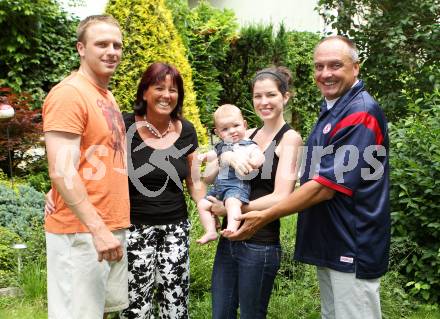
x: 207, y: 237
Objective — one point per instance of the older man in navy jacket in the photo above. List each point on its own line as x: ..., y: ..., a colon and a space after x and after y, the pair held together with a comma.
x: 344, y: 220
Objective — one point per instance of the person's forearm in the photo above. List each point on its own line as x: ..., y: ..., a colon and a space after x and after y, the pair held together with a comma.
x: 197, y: 190
x: 210, y: 172
x: 264, y: 202
x: 76, y: 198
x: 309, y: 194
x: 63, y: 155
x: 226, y: 158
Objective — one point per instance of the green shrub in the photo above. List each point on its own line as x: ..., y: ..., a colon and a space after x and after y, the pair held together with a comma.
x: 36, y: 174
x: 40, y: 181
x: 304, y: 104
x: 8, y: 258
x: 254, y: 49
x: 398, y: 43
x: 224, y: 63
x: 21, y: 211
x: 395, y: 301
x: 3, y: 176
x: 415, y: 196
x: 35, y: 240
x: 21, y: 208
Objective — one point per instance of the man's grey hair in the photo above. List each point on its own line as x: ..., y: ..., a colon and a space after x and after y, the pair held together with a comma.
x: 354, y: 52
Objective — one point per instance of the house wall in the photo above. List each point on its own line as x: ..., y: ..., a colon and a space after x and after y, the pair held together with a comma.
x: 297, y: 15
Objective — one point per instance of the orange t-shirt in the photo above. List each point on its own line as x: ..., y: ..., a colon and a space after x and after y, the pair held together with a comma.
x: 77, y: 105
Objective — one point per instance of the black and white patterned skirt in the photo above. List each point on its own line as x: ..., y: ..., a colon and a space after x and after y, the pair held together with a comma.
x: 158, y: 271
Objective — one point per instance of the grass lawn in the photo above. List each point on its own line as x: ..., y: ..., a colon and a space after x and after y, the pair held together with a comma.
x: 281, y: 307
x: 295, y: 295
x: 20, y: 308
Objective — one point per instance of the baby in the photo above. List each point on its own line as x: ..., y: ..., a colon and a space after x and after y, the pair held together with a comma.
x: 229, y: 187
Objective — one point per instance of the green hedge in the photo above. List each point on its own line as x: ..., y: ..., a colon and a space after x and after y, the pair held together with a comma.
x: 415, y: 196
x: 304, y: 104
x: 207, y: 33
x: 257, y: 47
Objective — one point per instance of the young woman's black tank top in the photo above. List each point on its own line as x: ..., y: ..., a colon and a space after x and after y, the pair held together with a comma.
x: 263, y: 184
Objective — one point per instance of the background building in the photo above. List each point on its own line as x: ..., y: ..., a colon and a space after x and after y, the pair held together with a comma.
x: 297, y: 15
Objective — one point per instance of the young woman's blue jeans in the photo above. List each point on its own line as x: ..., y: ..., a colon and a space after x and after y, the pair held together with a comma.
x: 243, y: 276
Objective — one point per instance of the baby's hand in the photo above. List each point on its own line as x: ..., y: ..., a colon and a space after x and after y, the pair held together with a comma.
x: 256, y: 158
x: 203, y: 157
x: 207, y: 157
x: 255, y: 162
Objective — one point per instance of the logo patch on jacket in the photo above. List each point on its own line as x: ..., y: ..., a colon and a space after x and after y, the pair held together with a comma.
x: 345, y: 259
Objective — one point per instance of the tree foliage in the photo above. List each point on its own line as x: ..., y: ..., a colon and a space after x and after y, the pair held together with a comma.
x: 150, y: 36
x: 224, y: 61
x: 399, y: 43
x: 24, y: 129
x: 37, y: 46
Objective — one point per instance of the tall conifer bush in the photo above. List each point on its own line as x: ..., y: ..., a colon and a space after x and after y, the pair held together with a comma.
x: 150, y: 36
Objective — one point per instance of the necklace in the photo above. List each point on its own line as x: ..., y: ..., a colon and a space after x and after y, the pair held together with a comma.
x: 154, y: 130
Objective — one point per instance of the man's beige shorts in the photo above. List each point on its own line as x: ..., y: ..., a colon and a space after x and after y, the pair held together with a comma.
x: 78, y: 286
x: 343, y: 296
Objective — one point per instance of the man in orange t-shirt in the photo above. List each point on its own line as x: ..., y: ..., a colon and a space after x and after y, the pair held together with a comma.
x: 86, y: 150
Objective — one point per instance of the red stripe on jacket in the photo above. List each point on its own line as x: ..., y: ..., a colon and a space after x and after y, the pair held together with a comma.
x: 330, y: 184
x: 363, y: 118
